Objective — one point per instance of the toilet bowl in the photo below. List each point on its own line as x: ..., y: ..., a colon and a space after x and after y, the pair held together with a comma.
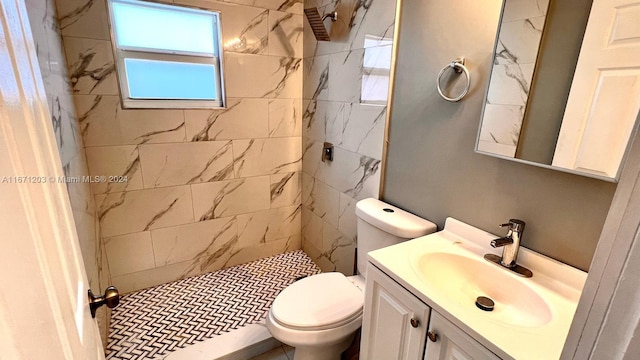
x: 320, y: 314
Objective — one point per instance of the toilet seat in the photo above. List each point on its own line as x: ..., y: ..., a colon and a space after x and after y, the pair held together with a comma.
x: 318, y: 302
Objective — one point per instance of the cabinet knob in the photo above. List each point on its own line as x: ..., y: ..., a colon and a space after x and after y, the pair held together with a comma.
x: 433, y: 336
x: 415, y: 322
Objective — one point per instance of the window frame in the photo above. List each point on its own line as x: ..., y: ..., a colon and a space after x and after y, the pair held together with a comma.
x: 121, y: 53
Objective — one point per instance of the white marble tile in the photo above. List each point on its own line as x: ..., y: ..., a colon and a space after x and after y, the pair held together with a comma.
x: 345, y: 75
x: 242, y: 343
x: 52, y: 64
x: 84, y: 216
x: 104, y: 122
x: 262, y: 76
x: 65, y: 125
x: 347, y: 220
x: 245, y: 29
x: 519, y: 41
x: 318, y: 257
x: 314, y: 119
x: 364, y: 129
x: 321, y: 199
x: 269, y: 225
x: 193, y: 242
x: 293, y: 6
x: 311, y: 156
x: 129, y: 253
x: 510, y: 84
x: 275, y: 354
x: 251, y: 253
x: 316, y: 78
x: 232, y: 197
x: 335, y: 122
x: 286, y: 189
x: 91, y: 66
x: 338, y: 249
x: 285, y: 34
x: 285, y: 117
x: 353, y: 174
x: 83, y: 18
x: 311, y: 229
x: 242, y: 119
x: 292, y: 242
x: 152, y: 277
x: 142, y: 126
x: 496, y: 148
x: 165, y: 165
x: 524, y: 9
x: 323, y: 121
x: 501, y: 124
x: 97, y: 118
x: 142, y: 210
x: 120, y: 161
x: 373, y: 20
x: 266, y: 156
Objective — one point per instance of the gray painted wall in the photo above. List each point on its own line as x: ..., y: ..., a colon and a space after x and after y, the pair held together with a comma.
x: 557, y: 59
x: 432, y: 169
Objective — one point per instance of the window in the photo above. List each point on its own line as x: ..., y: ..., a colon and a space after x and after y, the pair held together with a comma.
x: 377, y: 70
x: 167, y: 56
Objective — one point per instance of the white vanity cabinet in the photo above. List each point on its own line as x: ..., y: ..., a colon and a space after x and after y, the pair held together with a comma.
x: 448, y: 342
x: 397, y: 325
x: 394, y: 325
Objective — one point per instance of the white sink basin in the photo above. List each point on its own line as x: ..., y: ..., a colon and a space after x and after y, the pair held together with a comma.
x: 462, y: 279
x: 447, y: 271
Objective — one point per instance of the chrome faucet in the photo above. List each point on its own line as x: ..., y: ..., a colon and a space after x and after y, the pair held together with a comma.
x: 511, y: 243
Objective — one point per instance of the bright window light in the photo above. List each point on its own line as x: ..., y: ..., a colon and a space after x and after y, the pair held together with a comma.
x: 167, y: 56
x: 377, y: 70
x: 150, y: 79
x: 152, y: 28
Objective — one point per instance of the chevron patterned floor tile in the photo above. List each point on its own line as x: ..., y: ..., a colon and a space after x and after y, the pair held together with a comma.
x: 153, y: 322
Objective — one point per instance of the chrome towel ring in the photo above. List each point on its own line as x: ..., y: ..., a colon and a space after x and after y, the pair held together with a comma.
x: 458, y: 66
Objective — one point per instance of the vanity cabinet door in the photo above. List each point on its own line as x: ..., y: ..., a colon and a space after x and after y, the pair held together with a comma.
x: 395, y: 322
x: 448, y: 342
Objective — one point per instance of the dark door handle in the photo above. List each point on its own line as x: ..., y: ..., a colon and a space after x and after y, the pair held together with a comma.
x: 111, y: 298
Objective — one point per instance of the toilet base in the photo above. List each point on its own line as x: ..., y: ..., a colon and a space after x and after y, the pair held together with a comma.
x: 331, y: 352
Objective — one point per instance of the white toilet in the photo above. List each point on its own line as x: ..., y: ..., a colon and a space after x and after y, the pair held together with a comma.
x: 320, y: 314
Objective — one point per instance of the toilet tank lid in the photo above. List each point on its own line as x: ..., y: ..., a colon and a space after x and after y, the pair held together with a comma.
x: 393, y: 220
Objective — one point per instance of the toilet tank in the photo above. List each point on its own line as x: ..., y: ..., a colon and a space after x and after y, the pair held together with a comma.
x: 381, y: 225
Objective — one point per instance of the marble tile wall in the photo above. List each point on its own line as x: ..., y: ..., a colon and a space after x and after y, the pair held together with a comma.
x: 516, y: 52
x: 46, y: 34
x: 337, y: 75
x: 205, y: 189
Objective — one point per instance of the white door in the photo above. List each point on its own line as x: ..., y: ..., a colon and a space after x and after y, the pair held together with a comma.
x: 448, y: 342
x: 605, y: 94
x: 395, y: 322
x: 44, y: 312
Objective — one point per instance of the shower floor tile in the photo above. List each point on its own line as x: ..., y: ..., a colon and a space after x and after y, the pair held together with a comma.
x: 153, y: 322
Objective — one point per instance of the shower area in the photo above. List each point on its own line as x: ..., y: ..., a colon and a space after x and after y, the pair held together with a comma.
x: 218, y: 203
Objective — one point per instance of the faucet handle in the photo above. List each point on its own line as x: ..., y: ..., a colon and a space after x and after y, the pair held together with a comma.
x: 514, y: 225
